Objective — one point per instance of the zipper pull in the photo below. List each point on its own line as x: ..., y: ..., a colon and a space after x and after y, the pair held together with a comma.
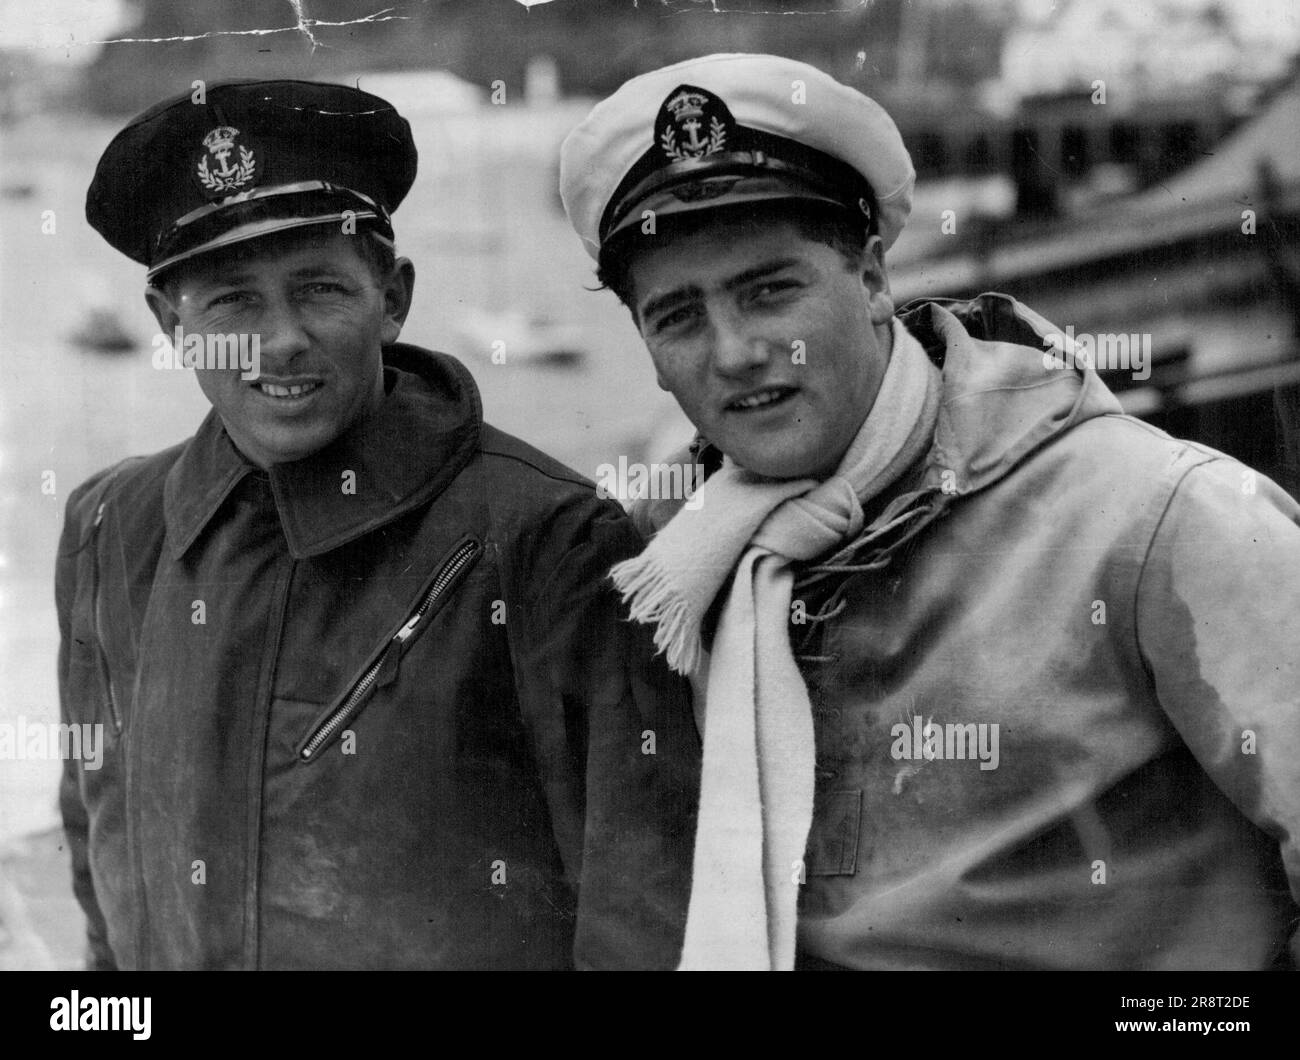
x: 405, y: 632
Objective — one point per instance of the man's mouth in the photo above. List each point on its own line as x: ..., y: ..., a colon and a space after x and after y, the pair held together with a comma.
x: 760, y: 399
x: 287, y: 390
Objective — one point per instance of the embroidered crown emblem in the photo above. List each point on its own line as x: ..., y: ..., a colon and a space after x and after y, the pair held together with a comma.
x: 686, y: 104
x: 217, y: 171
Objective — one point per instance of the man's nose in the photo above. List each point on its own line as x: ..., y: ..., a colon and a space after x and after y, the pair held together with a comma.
x: 737, y: 349
x: 282, y: 336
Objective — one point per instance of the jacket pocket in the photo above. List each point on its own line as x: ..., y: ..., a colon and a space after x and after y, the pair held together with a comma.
x: 833, y: 838
x: 382, y: 667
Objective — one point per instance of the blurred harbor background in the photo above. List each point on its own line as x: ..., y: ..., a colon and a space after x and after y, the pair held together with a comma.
x: 1167, y: 206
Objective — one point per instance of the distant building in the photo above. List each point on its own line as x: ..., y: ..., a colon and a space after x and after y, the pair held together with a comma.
x: 1138, y: 48
x: 1205, y: 263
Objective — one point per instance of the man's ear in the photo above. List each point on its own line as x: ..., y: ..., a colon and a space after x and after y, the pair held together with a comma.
x: 876, y: 281
x: 160, y: 305
x: 399, y: 289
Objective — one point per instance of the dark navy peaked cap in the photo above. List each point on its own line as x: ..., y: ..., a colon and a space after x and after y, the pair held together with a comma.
x: 252, y: 158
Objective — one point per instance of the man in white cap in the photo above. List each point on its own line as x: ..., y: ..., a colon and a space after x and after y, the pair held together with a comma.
x: 996, y: 676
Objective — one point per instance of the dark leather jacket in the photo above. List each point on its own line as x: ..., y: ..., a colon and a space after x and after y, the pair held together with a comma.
x: 375, y: 708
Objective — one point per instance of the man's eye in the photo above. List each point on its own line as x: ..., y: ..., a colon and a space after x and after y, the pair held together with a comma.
x: 230, y: 298
x: 324, y: 287
x: 675, y: 318
x: 774, y: 289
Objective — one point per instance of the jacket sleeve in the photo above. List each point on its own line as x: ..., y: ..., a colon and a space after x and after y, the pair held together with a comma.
x: 1218, y: 621
x: 74, y: 569
x: 617, y: 746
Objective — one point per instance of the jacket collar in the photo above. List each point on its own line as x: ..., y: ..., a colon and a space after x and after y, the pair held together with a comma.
x: 1000, y: 400
x: 402, y: 456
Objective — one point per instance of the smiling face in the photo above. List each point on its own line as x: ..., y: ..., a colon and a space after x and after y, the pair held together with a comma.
x: 773, y: 344
x: 321, y: 316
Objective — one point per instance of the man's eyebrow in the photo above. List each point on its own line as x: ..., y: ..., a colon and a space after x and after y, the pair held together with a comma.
x: 221, y: 279
x: 672, y: 298
x: 680, y: 294
x: 237, y: 277
x: 759, y: 272
x: 308, y: 271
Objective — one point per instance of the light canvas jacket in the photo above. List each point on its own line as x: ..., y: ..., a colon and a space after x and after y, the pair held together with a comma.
x: 1124, y: 608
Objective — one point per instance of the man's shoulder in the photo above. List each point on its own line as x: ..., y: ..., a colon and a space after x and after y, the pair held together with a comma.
x: 1126, y: 465
x: 1137, y: 449
x: 537, y: 498
x: 1207, y: 483
x: 528, y: 468
x: 131, y: 484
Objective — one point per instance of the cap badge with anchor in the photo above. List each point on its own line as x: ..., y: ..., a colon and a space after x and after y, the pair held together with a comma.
x: 681, y: 119
x: 227, y: 176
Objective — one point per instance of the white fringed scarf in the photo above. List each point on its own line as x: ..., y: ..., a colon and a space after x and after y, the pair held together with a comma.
x: 756, y: 791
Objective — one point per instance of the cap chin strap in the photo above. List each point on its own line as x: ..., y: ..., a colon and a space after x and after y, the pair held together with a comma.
x: 253, y: 194
x: 732, y: 163
x: 367, y: 210
x: 275, y: 189
x: 269, y: 226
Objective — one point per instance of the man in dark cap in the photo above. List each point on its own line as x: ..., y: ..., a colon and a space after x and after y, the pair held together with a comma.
x: 368, y: 700
x: 994, y: 676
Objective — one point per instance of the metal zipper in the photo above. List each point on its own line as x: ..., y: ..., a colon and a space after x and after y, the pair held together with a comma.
x: 454, y: 565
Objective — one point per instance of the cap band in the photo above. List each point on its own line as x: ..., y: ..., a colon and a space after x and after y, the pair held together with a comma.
x: 759, y: 153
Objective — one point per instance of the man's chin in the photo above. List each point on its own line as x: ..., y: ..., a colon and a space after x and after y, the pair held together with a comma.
x: 266, y: 450
x: 779, y: 465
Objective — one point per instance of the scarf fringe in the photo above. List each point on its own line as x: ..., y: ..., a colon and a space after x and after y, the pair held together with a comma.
x: 646, y: 583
